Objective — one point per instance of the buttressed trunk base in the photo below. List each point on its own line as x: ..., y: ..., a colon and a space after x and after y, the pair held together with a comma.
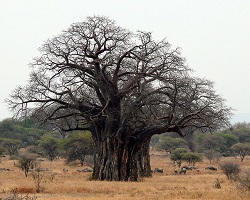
x: 116, y: 161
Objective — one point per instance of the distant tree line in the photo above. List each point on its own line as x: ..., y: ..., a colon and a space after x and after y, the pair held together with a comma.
x: 25, y: 139
x: 212, y: 145
x: 48, y: 141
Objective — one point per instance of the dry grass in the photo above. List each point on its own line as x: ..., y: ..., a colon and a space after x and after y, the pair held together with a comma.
x: 58, y: 185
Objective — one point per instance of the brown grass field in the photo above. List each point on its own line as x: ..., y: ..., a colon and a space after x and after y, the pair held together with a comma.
x: 58, y: 185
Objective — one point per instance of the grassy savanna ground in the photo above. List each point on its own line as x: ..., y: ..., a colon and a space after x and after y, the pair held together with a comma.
x: 58, y: 185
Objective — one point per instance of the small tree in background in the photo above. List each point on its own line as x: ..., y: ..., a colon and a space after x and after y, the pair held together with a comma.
x: 168, y: 144
x: 241, y: 149
x: 231, y: 170
x: 213, y: 142
x: 176, y: 155
x: 77, y: 146
x: 49, y: 146
x: 191, y: 157
x: 212, y: 155
x: 242, y: 131
x: 27, y: 162
x: 37, y: 177
x: 11, y: 146
x: 229, y: 139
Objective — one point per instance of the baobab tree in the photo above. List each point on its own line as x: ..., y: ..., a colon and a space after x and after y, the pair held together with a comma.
x: 123, y: 87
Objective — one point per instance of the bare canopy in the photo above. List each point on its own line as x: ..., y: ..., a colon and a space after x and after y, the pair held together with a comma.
x: 124, y: 87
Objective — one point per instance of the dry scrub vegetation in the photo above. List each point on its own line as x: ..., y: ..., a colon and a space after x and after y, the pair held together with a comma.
x: 59, y: 185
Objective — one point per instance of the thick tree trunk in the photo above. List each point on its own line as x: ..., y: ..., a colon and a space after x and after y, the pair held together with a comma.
x: 120, y: 154
x: 121, y: 161
x: 190, y: 138
x: 106, y: 161
x: 144, y: 160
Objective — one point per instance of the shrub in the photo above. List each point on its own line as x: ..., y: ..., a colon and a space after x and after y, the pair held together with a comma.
x: 231, y: 170
x: 16, y: 196
x: 37, y: 176
x: 27, y: 162
x: 244, y: 181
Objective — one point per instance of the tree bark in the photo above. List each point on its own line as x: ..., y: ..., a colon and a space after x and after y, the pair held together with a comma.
x: 121, y: 154
x: 144, y: 160
x: 117, y: 160
x: 106, y: 161
x: 189, y: 131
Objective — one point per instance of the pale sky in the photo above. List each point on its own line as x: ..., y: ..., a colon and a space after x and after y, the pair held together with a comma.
x: 214, y: 36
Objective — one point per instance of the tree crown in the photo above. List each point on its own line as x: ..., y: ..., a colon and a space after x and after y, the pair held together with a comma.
x: 96, y: 72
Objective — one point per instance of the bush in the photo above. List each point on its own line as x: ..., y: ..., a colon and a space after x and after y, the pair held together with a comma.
x: 244, y: 181
x: 27, y: 162
x: 16, y: 196
x: 37, y: 176
x: 231, y: 170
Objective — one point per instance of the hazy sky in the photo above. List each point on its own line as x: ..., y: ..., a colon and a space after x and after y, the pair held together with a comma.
x: 214, y: 36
